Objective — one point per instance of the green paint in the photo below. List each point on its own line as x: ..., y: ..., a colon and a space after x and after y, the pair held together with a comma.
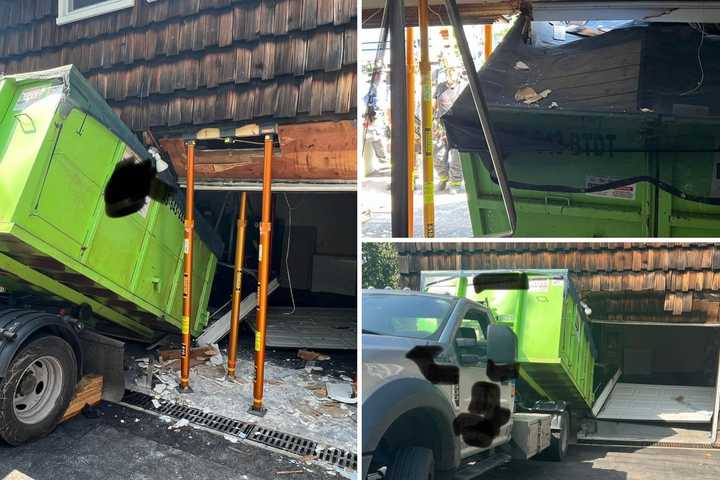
x: 53, y: 170
x: 587, y: 146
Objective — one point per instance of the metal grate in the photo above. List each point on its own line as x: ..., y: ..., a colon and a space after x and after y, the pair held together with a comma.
x: 284, y: 441
x: 643, y: 443
x: 341, y: 458
x: 272, y: 438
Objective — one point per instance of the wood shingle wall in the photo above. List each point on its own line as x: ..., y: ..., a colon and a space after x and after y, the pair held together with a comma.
x: 175, y: 63
x: 621, y: 281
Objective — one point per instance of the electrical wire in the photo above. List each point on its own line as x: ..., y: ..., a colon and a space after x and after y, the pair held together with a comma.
x: 287, y: 254
x: 700, y: 28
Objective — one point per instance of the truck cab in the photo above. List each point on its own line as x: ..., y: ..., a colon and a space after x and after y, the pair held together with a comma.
x: 407, y: 419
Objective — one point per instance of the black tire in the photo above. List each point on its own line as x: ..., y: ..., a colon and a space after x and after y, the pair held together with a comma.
x: 559, y: 440
x: 414, y: 463
x: 16, y: 431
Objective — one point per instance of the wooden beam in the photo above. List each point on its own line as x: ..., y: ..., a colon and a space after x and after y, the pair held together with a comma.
x: 471, y: 14
x: 310, y: 151
x: 88, y: 392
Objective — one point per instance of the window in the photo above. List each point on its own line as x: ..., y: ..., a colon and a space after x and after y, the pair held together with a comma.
x: 74, y: 10
x: 413, y: 316
x: 470, y: 343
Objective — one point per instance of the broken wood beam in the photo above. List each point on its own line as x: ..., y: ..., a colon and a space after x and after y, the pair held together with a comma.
x: 221, y: 326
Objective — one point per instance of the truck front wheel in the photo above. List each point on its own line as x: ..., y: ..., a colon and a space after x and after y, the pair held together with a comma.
x: 412, y: 462
x: 37, y: 390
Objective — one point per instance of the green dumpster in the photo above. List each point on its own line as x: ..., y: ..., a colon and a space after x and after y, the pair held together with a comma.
x: 586, y: 156
x: 555, y: 348
x: 59, y: 144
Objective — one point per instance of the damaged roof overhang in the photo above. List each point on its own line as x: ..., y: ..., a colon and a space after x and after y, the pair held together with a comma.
x: 477, y: 12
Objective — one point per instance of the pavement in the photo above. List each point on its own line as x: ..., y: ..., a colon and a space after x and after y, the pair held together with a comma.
x: 452, y: 217
x: 125, y: 444
x: 617, y: 463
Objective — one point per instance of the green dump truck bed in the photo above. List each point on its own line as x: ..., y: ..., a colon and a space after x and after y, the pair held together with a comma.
x: 59, y: 144
x: 555, y: 349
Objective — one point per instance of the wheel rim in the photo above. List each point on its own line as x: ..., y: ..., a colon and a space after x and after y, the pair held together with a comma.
x: 37, y: 391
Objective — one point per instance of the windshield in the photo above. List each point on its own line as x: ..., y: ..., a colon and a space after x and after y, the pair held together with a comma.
x: 413, y: 316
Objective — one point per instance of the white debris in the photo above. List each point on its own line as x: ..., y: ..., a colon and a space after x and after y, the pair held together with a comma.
x: 160, y: 388
x: 346, y: 473
x: 179, y: 424
x: 218, y: 358
x: 156, y: 403
x: 647, y: 110
x: 554, y: 105
x: 230, y: 438
x: 521, y: 66
x: 166, y: 419
x: 341, y: 392
x: 137, y: 420
x: 346, y: 378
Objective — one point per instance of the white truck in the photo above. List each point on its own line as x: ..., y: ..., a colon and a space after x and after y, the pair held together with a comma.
x: 410, y: 422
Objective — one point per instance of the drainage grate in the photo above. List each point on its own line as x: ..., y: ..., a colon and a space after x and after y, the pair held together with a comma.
x: 284, y: 441
x: 341, y: 458
x: 643, y: 443
x: 192, y: 414
x: 272, y: 438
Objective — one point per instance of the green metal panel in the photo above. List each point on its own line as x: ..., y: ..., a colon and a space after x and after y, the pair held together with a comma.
x: 53, y: 168
x: 558, y: 214
x: 554, y: 347
x: 578, y: 150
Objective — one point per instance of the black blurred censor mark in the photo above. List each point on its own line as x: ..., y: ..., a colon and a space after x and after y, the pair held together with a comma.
x: 485, y: 416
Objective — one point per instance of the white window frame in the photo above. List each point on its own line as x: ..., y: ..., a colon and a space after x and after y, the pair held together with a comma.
x: 67, y: 15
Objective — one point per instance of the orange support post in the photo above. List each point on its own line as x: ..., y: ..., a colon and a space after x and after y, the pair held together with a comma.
x: 184, y: 386
x: 409, y: 48
x: 488, y: 41
x: 263, y: 279
x: 427, y: 122
x: 237, y: 285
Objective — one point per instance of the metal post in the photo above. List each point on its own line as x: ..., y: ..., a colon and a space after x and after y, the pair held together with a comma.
x: 427, y: 121
x: 488, y: 40
x: 237, y: 285
x: 410, y: 49
x: 263, y: 280
x: 184, y: 386
x: 398, y: 114
x: 482, y: 111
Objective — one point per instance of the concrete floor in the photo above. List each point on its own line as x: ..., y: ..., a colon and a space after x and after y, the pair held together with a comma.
x: 452, y: 217
x: 617, y: 463
x: 124, y: 444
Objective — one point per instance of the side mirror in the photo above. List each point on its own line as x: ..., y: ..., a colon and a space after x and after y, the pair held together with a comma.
x: 501, y: 345
x: 129, y: 186
x: 500, y: 281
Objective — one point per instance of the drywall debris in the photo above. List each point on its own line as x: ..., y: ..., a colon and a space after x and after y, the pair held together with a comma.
x: 179, y: 424
x: 309, y: 355
x: 528, y: 95
x: 341, y: 392
x: 521, y: 66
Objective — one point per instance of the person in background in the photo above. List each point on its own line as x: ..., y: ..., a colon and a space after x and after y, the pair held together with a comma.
x: 446, y: 160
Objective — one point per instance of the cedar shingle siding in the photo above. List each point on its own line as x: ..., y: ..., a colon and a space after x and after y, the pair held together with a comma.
x: 672, y: 282
x: 177, y: 63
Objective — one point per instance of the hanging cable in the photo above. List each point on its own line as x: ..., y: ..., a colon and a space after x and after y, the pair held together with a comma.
x: 700, y: 28
x: 287, y: 254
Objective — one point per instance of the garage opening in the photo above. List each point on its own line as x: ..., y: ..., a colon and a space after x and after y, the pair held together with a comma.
x: 312, y: 304
x: 656, y: 383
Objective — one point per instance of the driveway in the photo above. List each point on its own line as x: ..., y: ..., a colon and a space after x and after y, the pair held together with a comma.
x: 617, y: 463
x: 124, y: 444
